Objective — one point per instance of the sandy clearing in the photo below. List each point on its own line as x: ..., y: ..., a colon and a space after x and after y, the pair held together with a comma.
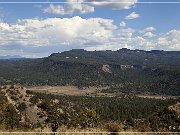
x: 91, y: 91
x: 157, y: 96
x: 64, y: 90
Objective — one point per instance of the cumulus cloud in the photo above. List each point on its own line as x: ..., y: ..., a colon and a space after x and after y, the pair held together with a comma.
x: 41, y: 37
x: 170, y: 40
x: 166, y: 41
x: 133, y: 15
x: 148, y: 34
x: 55, y: 9
x: 69, y: 8
x: 115, y: 4
x: 143, y: 43
x: 148, y: 29
x: 122, y: 24
x: 86, y: 6
x: 57, y: 31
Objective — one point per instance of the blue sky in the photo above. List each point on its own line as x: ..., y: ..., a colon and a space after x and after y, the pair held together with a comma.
x: 37, y: 29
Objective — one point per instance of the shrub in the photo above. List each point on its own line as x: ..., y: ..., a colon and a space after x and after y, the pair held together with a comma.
x: 114, y: 127
x: 21, y: 106
x: 29, y: 92
x: 87, y: 118
x: 34, y: 100
x: 11, y: 118
x: 15, y: 98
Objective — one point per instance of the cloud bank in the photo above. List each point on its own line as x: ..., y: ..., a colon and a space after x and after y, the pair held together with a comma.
x: 41, y: 37
x: 69, y: 8
x: 87, y: 6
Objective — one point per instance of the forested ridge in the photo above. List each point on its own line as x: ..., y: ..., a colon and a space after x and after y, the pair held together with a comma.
x: 124, y: 70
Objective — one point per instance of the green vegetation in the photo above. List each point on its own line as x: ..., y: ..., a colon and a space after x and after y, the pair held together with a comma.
x: 127, y: 73
x: 114, y: 127
x: 9, y: 118
x: 121, y: 113
x: 132, y: 112
x: 21, y: 106
x: 86, y: 118
x: 134, y: 71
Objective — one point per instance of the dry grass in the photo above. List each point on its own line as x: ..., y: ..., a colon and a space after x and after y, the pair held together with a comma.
x: 64, y: 90
x: 72, y: 91
x: 157, y: 97
x: 86, y: 133
x: 75, y: 131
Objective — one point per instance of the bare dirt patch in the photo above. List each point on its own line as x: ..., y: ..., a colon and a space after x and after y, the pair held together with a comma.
x: 64, y: 90
x: 72, y: 91
x: 162, y: 97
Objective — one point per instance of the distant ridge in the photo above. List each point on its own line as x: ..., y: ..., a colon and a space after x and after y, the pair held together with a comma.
x: 11, y: 57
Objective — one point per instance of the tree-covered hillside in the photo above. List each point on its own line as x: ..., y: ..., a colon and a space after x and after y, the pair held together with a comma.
x: 124, y: 70
x: 25, y: 110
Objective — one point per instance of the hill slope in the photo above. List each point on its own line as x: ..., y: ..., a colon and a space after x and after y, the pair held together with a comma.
x: 125, y: 70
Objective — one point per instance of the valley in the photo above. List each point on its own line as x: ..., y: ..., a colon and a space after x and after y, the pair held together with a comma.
x: 90, y: 91
x: 104, y: 91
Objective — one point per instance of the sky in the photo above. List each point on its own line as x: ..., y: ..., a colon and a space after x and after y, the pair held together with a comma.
x: 38, y: 28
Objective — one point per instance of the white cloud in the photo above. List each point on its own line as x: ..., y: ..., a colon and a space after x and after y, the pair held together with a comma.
x: 170, y: 40
x: 122, y: 24
x: 54, y: 9
x: 148, y: 34
x: 69, y: 8
x: 148, y: 29
x: 115, y: 4
x: 166, y: 41
x: 57, y: 31
x: 40, y: 37
x: 133, y: 15
x: 129, y: 30
x: 142, y: 43
x: 78, y: 7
